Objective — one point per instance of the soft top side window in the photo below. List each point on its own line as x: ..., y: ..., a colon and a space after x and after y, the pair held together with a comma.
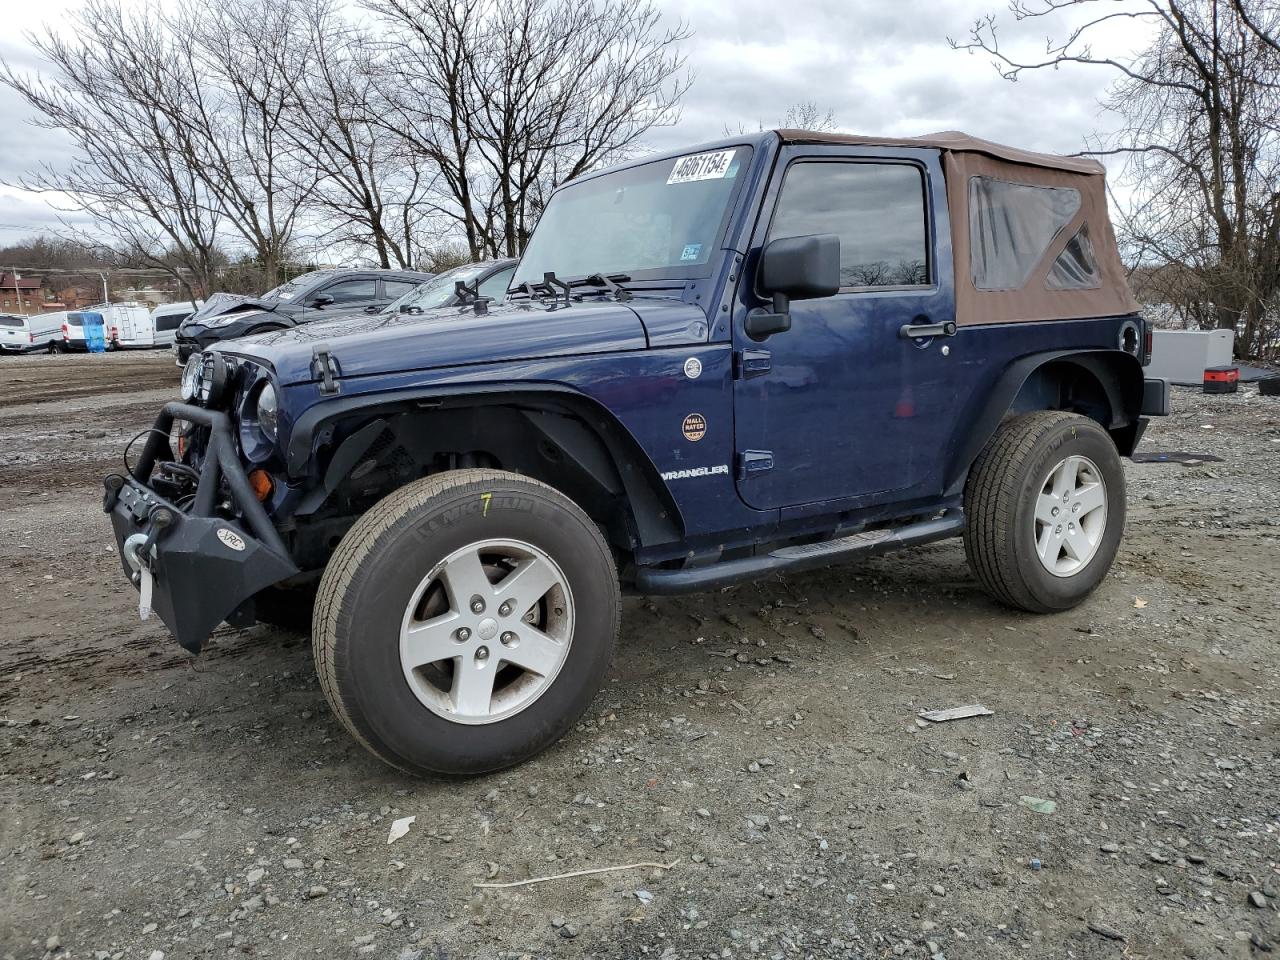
x: 876, y: 209
x: 1076, y: 267
x: 1011, y: 225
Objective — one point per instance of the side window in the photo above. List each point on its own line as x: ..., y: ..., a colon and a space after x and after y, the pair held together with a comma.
x: 1076, y: 267
x: 171, y: 321
x: 395, y: 289
x: 1011, y: 225
x: 496, y: 286
x: 350, y: 291
x: 876, y: 209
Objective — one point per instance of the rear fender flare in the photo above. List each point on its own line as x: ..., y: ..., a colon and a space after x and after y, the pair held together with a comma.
x: 1118, y: 374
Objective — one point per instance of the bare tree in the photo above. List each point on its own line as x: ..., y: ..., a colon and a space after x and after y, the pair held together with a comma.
x: 1199, y: 112
x: 116, y: 92
x: 371, y: 185
x: 508, y: 99
x: 807, y: 115
x: 243, y: 59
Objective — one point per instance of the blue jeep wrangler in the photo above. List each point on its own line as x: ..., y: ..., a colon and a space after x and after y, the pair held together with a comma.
x: 763, y: 355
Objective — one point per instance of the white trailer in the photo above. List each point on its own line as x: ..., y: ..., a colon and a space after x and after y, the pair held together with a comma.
x: 1181, y: 356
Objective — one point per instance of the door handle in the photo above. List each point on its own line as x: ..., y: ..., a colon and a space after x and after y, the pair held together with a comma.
x: 920, y: 331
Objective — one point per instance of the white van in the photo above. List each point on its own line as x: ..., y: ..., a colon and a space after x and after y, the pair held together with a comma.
x: 43, y: 331
x: 128, y: 326
x: 168, y: 317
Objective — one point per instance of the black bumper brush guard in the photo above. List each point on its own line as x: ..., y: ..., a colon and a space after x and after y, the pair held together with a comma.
x: 205, y: 568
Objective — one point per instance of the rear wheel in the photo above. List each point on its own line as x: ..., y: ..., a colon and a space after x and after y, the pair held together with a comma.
x: 465, y: 622
x: 1044, y: 511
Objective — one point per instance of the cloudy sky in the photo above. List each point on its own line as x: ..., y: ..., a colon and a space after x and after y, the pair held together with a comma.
x: 881, y: 67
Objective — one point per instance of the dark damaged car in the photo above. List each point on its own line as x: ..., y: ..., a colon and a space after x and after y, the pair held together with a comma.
x: 311, y: 296
x: 764, y: 355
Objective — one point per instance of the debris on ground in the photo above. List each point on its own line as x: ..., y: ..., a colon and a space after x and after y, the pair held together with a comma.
x: 957, y: 713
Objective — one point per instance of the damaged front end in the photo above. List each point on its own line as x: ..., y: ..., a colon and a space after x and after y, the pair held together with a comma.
x: 201, y: 562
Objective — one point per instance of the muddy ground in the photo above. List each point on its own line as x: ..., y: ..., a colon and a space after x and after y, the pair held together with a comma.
x: 762, y: 741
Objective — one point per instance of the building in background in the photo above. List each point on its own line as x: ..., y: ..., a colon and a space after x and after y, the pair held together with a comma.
x: 24, y: 295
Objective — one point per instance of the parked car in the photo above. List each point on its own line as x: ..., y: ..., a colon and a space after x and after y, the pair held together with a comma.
x: 26, y: 334
x: 129, y: 326
x: 311, y: 296
x: 168, y: 317
x: 763, y: 355
x: 492, y: 276
x: 78, y: 325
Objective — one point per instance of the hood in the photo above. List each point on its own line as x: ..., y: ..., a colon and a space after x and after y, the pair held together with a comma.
x: 221, y: 303
x: 449, y: 337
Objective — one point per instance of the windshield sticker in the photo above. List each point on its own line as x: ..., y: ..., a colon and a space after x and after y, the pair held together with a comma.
x: 720, y: 469
x: 694, y: 427
x: 693, y: 368
x: 701, y: 166
x: 690, y: 251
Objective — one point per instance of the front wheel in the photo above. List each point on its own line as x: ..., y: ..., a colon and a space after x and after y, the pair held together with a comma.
x: 465, y: 622
x: 1044, y: 511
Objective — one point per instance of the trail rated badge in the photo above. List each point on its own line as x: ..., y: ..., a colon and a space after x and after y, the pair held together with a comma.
x: 695, y: 427
x: 693, y: 368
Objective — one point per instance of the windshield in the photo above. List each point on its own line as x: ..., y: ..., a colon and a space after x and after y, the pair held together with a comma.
x: 290, y: 289
x: 439, y: 290
x: 657, y: 221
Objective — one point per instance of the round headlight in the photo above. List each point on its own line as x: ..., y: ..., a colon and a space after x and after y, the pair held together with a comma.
x: 268, y: 411
x: 191, y: 377
x: 213, y: 379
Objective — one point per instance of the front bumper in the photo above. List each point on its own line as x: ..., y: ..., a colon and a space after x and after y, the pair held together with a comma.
x: 204, y: 568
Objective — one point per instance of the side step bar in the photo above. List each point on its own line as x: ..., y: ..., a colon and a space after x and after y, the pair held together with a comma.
x: 869, y: 543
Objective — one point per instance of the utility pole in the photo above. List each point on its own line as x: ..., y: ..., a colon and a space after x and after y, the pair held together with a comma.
x: 106, y: 294
x: 17, y: 292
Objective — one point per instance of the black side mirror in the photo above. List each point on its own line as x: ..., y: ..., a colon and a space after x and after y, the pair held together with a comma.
x: 323, y: 300
x: 794, y: 268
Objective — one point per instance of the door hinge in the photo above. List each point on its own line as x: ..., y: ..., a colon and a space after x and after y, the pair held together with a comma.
x: 752, y: 463
x: 325, y: 369
x: 751, y: 363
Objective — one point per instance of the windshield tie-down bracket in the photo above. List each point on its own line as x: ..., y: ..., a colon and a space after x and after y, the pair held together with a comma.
x: 553, y: 283
x: 325, y: 369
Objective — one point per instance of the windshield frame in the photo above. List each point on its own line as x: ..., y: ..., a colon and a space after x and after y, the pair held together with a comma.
x: 670, y: 273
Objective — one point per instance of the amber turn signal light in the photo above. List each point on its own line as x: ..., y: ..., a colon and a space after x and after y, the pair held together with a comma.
x: 260, y: 480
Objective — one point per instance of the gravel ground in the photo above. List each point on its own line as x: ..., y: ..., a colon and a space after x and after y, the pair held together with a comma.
x: 761, y: 743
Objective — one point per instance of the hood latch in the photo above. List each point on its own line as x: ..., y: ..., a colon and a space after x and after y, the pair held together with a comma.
x: 325, y: 369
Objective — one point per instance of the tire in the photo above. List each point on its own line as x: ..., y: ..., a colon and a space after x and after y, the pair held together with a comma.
x: 1021, y: 505
x: 400, y: 568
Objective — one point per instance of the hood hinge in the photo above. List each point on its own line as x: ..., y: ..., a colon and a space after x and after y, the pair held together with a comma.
x: 752, y: 463
x: 325, y: 369
x: 751, y: 363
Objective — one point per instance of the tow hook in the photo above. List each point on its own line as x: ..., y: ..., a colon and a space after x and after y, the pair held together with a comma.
x: 138, y: 550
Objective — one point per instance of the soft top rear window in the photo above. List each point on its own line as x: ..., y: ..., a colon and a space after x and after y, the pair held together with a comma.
x: 1011, y: 225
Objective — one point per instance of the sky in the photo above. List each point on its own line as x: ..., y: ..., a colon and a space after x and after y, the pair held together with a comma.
x: 881, y: 67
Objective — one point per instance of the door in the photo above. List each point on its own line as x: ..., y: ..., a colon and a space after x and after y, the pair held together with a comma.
x: 844, y: 406
x: 348, y: 296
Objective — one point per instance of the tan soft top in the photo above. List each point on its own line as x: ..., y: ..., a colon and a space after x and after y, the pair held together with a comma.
x: 965, y: 158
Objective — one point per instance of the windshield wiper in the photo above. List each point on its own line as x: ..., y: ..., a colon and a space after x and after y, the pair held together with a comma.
x: 551, y: 284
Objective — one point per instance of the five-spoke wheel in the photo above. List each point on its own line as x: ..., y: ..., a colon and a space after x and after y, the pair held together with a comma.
x: 487, y: 631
